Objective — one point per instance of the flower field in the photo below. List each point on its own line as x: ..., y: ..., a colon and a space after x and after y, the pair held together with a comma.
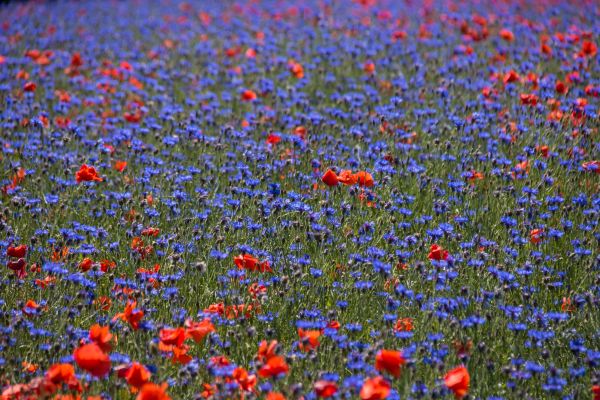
x: 359, y: 199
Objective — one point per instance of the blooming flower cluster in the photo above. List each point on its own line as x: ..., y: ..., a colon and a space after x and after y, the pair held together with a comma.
x: 371, y: 199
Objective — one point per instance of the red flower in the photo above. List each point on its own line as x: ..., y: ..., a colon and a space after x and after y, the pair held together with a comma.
x: 91, y: 358
x: 330, y: 178
x: 245, y: 380
x: 369, y: 68
x: 390, y: 361
x: 247, y: 261
x: 86, y: 174
x: 29, y: 87
x: 309, y: 340
x: 172, y: 337
x: 248, y: 95
x: 17, y: 252
x: 364, y: 179
x: 273, y: 139
x: 131, y: 315
x: 437, y: 253
x: 375, y: 389
x: 347, y: 177
x: 535, y: 236
x: 152, y: 391
x: 275, y: 396
x: 596, y: 392
x: 198, y: 330
x: 458, y: 380
x: 120, y: 165
x: 63, y: 373
x: 325, y: 389
x: 507, y: 35
x: 273, y: 367
x: 592, y: 166
x: 137, y: 375
x: 101, y: 336
x: 18, y: 267
x: 267, y: 350
x: 510, y: 76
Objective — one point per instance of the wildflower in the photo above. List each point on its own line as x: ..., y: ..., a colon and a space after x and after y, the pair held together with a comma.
x: 152, y: 391
x: 250, y: 263
x: 330, y: 178
x: 375, y: 388
x: 16, y: 251
x: 101, y: 336
x: 390, y: 361
x: 120, y: 165
x: 274, y: 367
x: 437, y: 253
x: 198, y: 330
x: 248, y: 95
x: 309, y: 339
x: 87, y: 174
x: 131, y: 315
x: 92, y: 359
x: 457, y: 380
x: 325, y: 389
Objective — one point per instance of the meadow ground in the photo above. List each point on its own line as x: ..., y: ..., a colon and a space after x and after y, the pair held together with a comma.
x: 297, y: 200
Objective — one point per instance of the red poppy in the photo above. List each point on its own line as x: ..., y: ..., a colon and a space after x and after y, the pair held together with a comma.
x: 510, y: 76
x: 596, y: 392
x: 309, y: 340
x: 275, y: 396
x: 267, y: 350
x: 274, y: 366
x: 437, y: 253
x: 131, y: 315
x: 172, y: 337
x: 137, y: 375
x: 364, y: 179
x: 404, y: 325
x: 91, y: 358
x: 300, y: 131
x: 152, y: 391
x: 17, y: 252
x: 198, y: 330
x: 458, y: 380
x: 101, y: 336
x: 325, y: 389
x: 63, y: 373
x: 347, y: 177
x: 18, y: 267
x: 529, y: 99
x: 588, y: 49
x: 150, y: 231
x: 29, y: 87
x: 245, y: 380
x: 369, y: 68
x: 593, y: 166
x: 273, y: 139
x: 248, y: 95
x: 375, y: 389
x: 86, y: 174
x: 535, y: 236
x: 390, y: 361
x: 544, y: 151
x: 330, y: 178
x: 250, y: 263
x: 120, y: 165
x: 561, y: 87
x: 507, y: 35
x: 296, y: 69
